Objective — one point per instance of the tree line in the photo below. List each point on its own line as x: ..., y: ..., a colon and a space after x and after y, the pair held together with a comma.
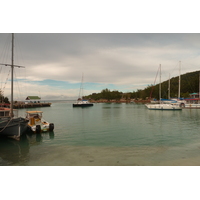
x: 189, y: 84
x: 3, y: 99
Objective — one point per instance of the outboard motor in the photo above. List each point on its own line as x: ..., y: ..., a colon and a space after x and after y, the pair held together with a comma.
x: 51, y: 127
x: 38, y: 129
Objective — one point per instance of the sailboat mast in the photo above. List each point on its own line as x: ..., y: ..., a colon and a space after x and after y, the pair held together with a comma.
x: 160, y: 85
x: 12, y: 69
x: 82, y: 84
x: 179, y: 82
x: 81, y: 88
x: 169, y: 88
x: 199, y: 85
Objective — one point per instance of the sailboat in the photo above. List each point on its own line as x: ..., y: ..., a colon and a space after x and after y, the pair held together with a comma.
x: 80, y: 101
x: 193, y: 102
x: 161, y: 105
x: 11, y: 125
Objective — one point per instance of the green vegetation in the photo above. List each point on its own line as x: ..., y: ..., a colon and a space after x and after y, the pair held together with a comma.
x: 105, y: 94
x: 189, y: 84
x: 3, y: 99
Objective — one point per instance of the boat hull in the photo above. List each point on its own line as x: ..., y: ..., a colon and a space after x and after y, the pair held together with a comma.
x: 82, y: 105
x: 37, y: 124
x: 192, y: 106
x: 42, y: 128
x: 162, y: 107
x: 13, y: 127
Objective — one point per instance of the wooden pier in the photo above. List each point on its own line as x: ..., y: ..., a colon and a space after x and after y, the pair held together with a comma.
x: 19, y: 105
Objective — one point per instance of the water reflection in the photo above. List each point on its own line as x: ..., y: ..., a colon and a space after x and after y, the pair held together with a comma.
x: 13, y: 152
x: 51, y: 135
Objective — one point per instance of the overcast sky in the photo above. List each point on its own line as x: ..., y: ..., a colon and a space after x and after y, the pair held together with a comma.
x: 54, y: 63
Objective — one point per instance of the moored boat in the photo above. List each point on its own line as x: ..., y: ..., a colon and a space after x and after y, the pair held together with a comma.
x: 10, y: 124
x: 82, y: 103
x: 194, y: 101
x: 191, y: 103
x: 36, y: 123
x: 161, y: 105
x: 11, y: 127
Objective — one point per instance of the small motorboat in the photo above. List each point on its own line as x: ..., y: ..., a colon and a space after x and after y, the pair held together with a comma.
x: 36, y: 123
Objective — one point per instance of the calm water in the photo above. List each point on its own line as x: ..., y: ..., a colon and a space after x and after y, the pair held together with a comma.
x: 109, y: 135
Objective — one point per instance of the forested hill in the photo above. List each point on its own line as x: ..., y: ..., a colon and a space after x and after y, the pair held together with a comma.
x: 189, y: 84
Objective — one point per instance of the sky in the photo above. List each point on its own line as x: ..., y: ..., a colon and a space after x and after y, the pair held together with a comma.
x: 56, y: 62
x: 110, y: 44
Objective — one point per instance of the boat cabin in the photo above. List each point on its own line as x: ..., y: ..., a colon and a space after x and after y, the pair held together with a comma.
x: 5, y: 112
x: 34, y: 116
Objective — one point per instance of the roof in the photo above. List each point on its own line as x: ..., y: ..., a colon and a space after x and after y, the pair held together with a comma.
x: 32, y: 97
x: 34, y: 112
x: 194, y: 94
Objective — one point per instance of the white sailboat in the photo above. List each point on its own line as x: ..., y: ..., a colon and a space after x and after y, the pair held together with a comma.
x: 11, y: 125
x: 190, y: 103
x: 80, y: 101
x: 161, y: 105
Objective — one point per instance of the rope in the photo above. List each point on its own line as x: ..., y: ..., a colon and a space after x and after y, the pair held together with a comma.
x: 17, y: 85
x: 6, y: 125
x: 19, y: 57
x: 5, y: 55
x: 6, y: 81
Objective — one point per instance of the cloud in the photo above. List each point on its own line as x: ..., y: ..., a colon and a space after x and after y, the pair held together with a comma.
x: 55, y: 62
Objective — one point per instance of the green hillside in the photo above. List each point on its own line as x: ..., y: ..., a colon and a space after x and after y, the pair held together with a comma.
x: 189, y: 84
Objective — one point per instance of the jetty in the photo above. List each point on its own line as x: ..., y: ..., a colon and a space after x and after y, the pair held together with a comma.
x: 30, y: 105
x: 18, y: 105
x: 30, y: 102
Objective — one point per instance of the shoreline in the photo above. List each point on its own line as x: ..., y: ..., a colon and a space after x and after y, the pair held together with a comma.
x: 120, y: 101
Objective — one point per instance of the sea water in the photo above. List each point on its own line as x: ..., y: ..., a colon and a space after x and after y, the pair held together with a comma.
x: 108, y: 134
